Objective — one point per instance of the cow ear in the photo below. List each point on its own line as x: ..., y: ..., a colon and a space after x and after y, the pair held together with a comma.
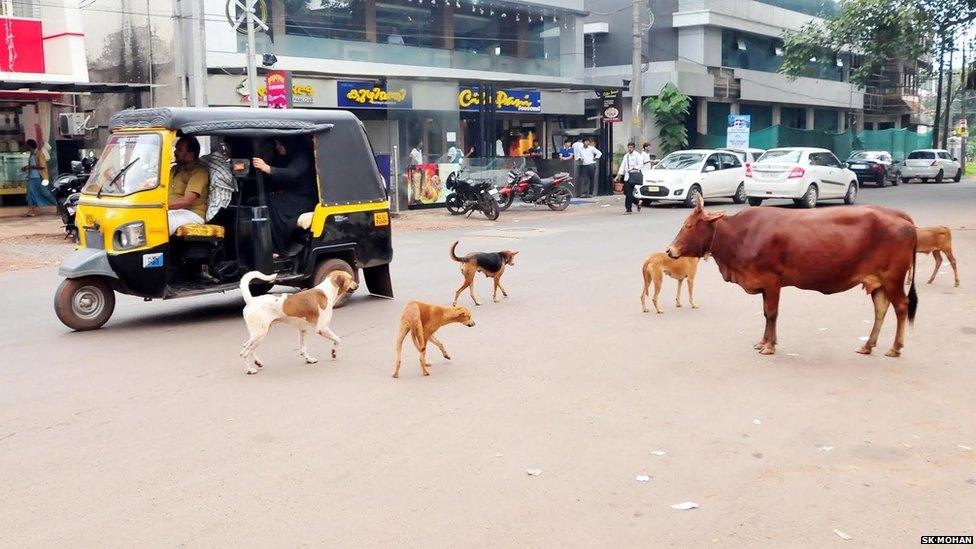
x: 714, y: 216
x: 699, y: 203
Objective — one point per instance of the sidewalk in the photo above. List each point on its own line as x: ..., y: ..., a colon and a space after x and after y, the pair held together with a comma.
x: 35, y: 242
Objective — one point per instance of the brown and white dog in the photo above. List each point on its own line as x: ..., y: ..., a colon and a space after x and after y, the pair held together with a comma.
x: 308, y: 310
x: 657, y: 265
x: 421, y: 320
x: 492, y: 264
x: 937, y: 240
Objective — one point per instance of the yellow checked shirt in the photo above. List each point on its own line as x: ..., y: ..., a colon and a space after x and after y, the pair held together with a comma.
x: 191, y: 178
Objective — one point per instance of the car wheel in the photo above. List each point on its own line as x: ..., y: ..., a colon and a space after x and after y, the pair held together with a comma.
x: 329, y: 266
x: 84, y: 303
x: 809, y: 199
x: 939, y: 176
x: 740, y: 194
x: 923, y: 179
x: 905, y: 180
x: 881, y: 181
x: 851, y: 195
x: 692, y: 197
x: 958, y: 176
x: 753, y: 201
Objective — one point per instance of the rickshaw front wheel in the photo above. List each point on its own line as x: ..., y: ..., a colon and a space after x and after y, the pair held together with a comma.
x: 329, y: 266
x: 84, y: 303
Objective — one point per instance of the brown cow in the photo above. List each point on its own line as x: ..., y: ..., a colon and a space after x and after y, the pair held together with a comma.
x: 828, y: 250
x: 937, y: 240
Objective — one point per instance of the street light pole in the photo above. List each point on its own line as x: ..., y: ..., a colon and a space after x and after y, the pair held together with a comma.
x: 635, y: 79
x: 252, y: 69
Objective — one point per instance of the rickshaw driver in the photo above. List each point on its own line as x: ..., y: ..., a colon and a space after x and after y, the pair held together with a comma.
x: 189, y: 185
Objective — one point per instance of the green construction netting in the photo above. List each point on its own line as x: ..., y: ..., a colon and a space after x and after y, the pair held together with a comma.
x: 898, y: 142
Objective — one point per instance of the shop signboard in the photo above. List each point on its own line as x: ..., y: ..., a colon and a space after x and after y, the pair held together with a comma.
x: 737, y: 133
x: 371, y: 95
x: 505, y: 100
x: 300, y: 93
x: 277, y: 85
x: 611, y: 110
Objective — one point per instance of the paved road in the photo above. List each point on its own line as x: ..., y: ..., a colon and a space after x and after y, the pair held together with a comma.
x: 148, y: 433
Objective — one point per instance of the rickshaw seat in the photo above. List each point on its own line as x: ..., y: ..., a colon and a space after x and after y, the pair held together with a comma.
x: 193, y: 231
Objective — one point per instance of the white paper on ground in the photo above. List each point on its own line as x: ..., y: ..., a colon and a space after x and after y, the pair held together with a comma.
x: 642, y: 478
x: 534, y: 472
x: 685, y: 506
x: 842, y: 535
x: 657, y: 453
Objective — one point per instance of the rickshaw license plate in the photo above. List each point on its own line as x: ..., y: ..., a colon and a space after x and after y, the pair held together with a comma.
x: 381, y: 219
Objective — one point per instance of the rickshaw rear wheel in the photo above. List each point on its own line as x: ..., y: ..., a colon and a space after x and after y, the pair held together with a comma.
x: 329, y: 266
x: 84, y: 303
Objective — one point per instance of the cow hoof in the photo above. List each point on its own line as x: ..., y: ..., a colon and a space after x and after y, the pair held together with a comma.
x: 864, y: 350
x: 767, y: 350
x: 893, y: 353
x: 759, y: 345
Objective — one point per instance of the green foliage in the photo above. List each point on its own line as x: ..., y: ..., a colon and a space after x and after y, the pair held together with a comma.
x: 670, y: 110
x: 877, y: 31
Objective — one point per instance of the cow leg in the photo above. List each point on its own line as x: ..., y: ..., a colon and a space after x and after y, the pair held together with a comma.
x: 938, y: 263
x: 677, y: 295
x: 900, y: 301
x: 691, y: 292
x: 771, y: 309
x: 952, y: 261
x: 881, y: 303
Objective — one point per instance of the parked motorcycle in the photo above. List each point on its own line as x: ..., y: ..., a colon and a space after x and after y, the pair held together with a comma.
x: 555, y: 191
x: 469, y: 195
x: 66, y: 190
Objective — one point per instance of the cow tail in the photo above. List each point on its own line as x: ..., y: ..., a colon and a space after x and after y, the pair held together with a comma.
x: 912, y: 294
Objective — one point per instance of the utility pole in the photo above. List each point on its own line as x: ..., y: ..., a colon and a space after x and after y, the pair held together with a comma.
x: 250, y: 19
x: 948, y: 107
x: 635, y: 78
x: 938, y: 100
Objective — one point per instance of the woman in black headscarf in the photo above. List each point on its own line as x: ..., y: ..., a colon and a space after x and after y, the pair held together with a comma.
x: 291, y: 190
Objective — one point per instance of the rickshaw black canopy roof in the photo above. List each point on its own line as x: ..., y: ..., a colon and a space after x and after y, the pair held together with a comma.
x: 345, y: 166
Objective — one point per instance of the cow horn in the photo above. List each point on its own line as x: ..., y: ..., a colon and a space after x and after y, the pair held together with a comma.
x: 699, y: 202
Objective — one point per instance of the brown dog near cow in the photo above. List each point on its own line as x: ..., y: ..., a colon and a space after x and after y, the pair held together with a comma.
x: 828, y: 250
x: 421, y: 320
x: 492, y: 264
x: 659, y: 264
x: 937, y: 240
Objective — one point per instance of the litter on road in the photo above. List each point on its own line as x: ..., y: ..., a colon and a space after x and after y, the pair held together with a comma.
x: 685, y: 506
x: 964, y: 447
x: 657, y: 453
x: 534, y: 472
x: 757, y: 422
x: 842, y: 535
x: 826, y: 448
x: 642, y: 478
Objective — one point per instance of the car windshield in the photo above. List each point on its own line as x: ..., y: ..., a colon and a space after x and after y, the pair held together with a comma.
x: 680, y: 161
x: 782, y: 155
x: 921, y: 155
x: 865, y: 155
x: 128, y: 164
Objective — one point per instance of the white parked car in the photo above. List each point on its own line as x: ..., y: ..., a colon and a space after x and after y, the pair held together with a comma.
x: 928, y: 164
x: 682, y: 175
x: 747, y: 156
x: 804, y: 174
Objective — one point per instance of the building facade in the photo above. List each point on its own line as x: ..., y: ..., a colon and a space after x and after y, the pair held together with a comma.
x: 725, y: 55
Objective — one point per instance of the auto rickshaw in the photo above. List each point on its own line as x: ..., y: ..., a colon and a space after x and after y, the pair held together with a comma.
x: 124, y: 239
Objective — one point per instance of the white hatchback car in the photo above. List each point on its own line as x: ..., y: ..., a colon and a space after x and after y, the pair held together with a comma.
x: 803, y: 174
x: 928, y: 164
x: 683, y: 175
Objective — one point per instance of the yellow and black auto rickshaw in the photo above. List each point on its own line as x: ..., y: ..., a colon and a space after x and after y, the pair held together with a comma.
x: 125, y: 244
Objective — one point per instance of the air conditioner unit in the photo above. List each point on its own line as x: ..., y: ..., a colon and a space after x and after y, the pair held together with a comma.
x: 72, y: 123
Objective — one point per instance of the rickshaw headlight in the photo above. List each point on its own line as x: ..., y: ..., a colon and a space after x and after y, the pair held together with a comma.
x: 130, y: 235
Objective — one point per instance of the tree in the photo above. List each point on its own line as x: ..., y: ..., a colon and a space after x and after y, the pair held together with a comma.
x: 670, y: 109
x: 877, y: 31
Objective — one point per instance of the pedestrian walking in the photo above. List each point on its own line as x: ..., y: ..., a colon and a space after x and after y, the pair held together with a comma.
x: 37, y: 195
x: 589, y: 154
x: 630, y: 172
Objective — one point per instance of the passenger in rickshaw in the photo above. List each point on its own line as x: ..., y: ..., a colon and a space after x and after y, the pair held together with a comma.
x: 189, y: 185
x: 292, y: 190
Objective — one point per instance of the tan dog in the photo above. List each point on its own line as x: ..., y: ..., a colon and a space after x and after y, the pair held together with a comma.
x: 492, y: 264
x: 937, y: 240
x: 421, y: 320
x: 306, y: 310
x: 657, y: 265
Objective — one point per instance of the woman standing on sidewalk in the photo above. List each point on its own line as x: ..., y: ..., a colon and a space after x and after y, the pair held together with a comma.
x: 36, y: 168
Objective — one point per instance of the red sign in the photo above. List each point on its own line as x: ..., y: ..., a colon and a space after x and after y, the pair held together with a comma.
x: 277, y: 86
x: 27, y: 55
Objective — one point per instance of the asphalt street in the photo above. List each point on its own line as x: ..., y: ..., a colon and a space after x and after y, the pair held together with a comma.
x: 148, y: 433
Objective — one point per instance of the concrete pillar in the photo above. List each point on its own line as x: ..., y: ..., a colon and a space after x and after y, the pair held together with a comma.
x: 841, y: 121
x: 777, y: 115
x: 703, y: 116
x: 874, y: 125
x: 860, y: 124
x: 810, y: 120
x: 734, y: 108
x: 369, y: 10
x: 897, y: 122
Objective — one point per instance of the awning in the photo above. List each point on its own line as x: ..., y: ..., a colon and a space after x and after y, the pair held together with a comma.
x: 72, y: 87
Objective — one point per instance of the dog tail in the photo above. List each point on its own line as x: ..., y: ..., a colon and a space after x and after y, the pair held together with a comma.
x: 454, y: 255
x: 246, y: 283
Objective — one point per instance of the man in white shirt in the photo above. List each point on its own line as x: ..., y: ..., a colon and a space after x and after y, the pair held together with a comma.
x: 630, y: 172
x: 578, y: 150
x: 647, y: 159
x: 416, y: 157
x: 588, y: 156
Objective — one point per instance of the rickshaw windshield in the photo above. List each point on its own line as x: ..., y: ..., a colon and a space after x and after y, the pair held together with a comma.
x: 128, y: 164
